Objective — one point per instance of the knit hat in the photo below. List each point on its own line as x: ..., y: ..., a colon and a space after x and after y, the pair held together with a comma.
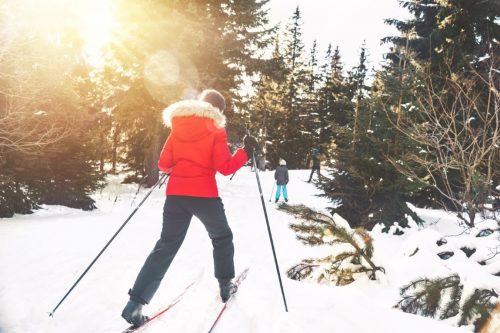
x: 213, y: 97
x: 282, y: 161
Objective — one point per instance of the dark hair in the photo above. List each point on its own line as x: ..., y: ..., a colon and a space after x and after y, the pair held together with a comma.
x: 213, y: 97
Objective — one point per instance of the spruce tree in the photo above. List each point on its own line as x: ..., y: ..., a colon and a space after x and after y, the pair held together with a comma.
x: 358, y: 81
x: 230, y: 35
x: 443, y: 298
x: 430, y: 298
x: 352, y: 249
x: 310, y: 118
x: 448, y: 33
x: 46, y: 133
x: 293, y: 145
x: 445, y: 45
x: 265, y: 108
x: 365, y: 188
x: 334, y: 101
x: 477, y: 308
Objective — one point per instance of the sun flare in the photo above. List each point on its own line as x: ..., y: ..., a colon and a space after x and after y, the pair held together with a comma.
x: 91, y: 22
x: 99, y: 25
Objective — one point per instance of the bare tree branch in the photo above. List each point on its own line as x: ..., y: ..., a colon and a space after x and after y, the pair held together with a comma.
x: 458, y: 130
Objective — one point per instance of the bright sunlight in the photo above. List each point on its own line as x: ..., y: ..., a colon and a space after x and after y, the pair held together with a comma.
x: 99, y: 24
x: 92, y: 22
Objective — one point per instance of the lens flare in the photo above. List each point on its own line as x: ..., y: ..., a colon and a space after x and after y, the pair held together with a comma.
x: 162, y: 69
x: 167, y: 76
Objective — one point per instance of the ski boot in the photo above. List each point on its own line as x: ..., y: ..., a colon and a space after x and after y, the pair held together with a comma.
x: 132, y: 313
x: 227, y: 288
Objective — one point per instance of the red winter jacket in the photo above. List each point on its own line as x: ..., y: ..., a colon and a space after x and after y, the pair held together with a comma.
x: 196, y: 149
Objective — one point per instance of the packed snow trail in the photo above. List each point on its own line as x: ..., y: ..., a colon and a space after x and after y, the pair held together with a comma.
x: 155, y: 315
x: 42, y: 254
x: 238, y: 280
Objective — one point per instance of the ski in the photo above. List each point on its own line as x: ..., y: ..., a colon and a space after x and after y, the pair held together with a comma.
x: 238, y: 281
x: 161, y: 311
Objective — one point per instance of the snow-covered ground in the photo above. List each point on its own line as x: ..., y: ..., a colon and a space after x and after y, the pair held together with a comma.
x: 41, y: 256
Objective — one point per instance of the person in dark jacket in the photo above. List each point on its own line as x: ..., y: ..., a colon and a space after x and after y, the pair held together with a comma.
x: 316, y: 164
x: 281, y: 176
x: 496, y: 204
x: 195, y: 150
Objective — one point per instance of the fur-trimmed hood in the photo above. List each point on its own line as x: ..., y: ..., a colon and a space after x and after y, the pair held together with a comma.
x: 194, y: 108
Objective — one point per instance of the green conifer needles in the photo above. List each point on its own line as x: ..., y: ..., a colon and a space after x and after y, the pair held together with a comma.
x: 351, y: 254
x: 443, y: 297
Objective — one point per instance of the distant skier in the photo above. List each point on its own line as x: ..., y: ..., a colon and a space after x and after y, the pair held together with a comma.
x: 195, y: 150
x: 496, y: 204
x: 261, y: 162
x: 281, y: 176
x: 316, y: 164
x: 495, y: 207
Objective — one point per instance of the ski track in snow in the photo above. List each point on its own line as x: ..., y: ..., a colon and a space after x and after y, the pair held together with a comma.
x: 43, y: 254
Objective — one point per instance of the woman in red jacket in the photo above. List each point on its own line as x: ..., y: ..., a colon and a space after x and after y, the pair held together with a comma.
x: 195, y: 150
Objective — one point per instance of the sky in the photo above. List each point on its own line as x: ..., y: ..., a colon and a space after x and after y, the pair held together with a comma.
x: 344, y: 23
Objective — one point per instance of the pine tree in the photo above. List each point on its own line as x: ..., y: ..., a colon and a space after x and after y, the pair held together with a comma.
x: 265, y: 108
x: 231, y: 35
x: 443, y: 297
x: 444, y: 46
x: 448, y: 33
x: 281, y: 107
x: 70, y: 173
x: 294, y: 143
x: 352, y: 256
x: 334, y: 101
x: 432, y: 297
x: 45, y: 128
x: 365, y: 188
x: 357, y: 79
x: 311, y: 115
x: 477, y: 308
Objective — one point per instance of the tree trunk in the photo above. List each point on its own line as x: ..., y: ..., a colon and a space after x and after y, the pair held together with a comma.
x: 114, y: 150
x: 356, y: 124
x: 152, y: 174
x: 101, y: 153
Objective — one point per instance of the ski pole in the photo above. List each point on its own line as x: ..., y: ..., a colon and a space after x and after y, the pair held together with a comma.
x: 162, y: 179
x: 272, y: 191
x: 137, y: 192
x: 269, y: 232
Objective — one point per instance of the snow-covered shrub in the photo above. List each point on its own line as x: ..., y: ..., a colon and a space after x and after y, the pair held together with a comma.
x: 443, y: 297
x: 15, y: 198
x: 366, y: 193
x: 478, y: 308
x: 429, y: 298
x: 352, y: 249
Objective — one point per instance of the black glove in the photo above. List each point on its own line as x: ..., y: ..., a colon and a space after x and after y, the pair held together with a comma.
x: 250, y: 144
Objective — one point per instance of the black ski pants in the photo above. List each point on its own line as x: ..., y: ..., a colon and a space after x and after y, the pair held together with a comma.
x: 314, y: 168
x: 177, y: 214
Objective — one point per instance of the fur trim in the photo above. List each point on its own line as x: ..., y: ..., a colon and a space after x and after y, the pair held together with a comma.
x: 193, y: 108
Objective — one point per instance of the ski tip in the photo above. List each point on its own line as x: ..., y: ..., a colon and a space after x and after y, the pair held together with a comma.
x: 243, y: 275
